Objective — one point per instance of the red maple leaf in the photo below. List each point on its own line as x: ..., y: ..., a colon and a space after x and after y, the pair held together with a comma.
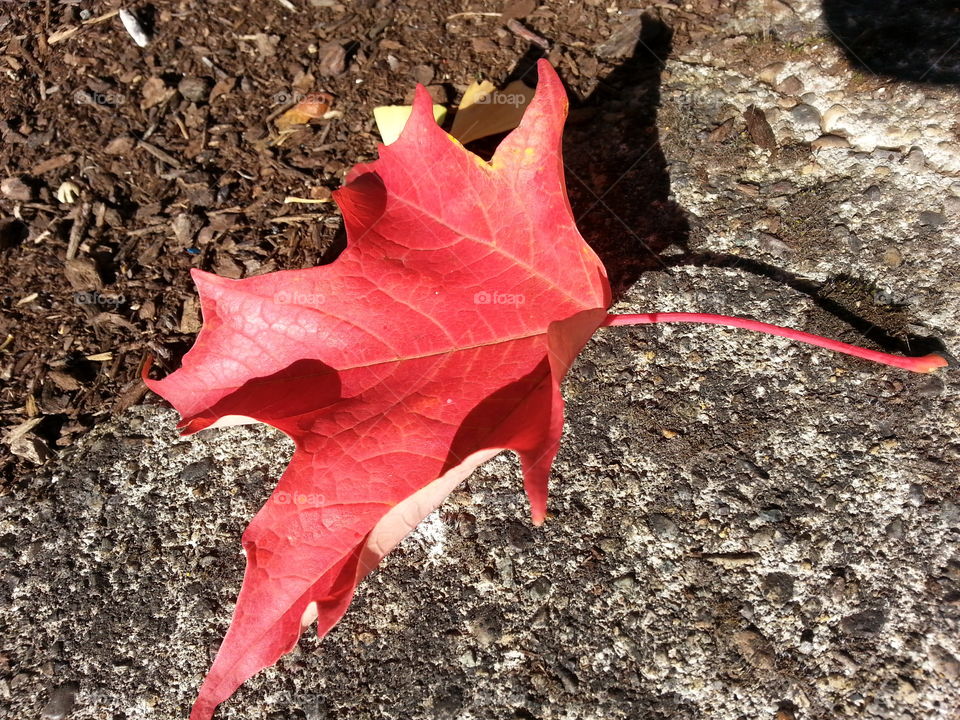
x: 438, y: 338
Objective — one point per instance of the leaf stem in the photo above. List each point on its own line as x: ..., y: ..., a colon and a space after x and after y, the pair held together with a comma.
x: 926, y: 363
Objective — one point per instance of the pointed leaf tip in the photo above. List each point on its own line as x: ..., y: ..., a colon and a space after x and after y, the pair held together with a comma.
x: 422, y: 118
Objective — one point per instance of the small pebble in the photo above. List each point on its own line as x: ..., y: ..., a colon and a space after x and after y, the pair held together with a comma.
x: 778, y: 587
x: 826, y: 142
x: 61, y: 702
x: 806, y: 115
x: 423, y: 74
x: 662, y: 526
x: 915, y: 160
x: 892, y: 257
x: 771, y: 515
x: 790, y: 86
x: 774, y: 245
x: 332, y: 59
x: 15, y: 189
x: 194, y: 89
x: 932, y: 219
x: 889, y: 156
x: 781, y: 187
x: 769, y: 74
x: 832, y: 117
x: 862, y: 624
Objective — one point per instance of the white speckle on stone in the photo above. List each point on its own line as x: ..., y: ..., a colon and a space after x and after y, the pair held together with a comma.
x: 431, y: 534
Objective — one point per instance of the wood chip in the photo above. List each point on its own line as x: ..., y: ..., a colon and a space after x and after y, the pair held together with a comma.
x: 222, y: 87
x: 759, y: 129
x: 58, y: 36
x: 15, y: 189
x: 109, y: 318
x: 519, y: 9
x: 332, y: 59
x: 63, y: 381
x: 120, y: 145
x: 130, y: 396
x: 159, y: 154
x: 82, y: 274
x: 621, y: 43
x: 723, y: 132
x: 80, y: 223
x: 54, y: 163
x: 155, y: 91
x: 190, y: 316
x: 518, y: 29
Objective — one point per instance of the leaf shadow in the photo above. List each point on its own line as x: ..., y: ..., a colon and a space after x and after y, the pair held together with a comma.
x: 618, y: 182
x: 278, y: 399
x: 902, y: 343
x: 617, y: 176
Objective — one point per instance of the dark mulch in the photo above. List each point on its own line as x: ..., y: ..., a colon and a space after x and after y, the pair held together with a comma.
x: 177, y: 164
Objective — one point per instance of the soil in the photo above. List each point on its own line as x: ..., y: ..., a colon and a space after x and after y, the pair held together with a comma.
x: 178, y: 165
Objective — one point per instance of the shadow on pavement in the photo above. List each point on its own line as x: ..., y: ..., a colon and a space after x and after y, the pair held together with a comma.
x: 914, y: 40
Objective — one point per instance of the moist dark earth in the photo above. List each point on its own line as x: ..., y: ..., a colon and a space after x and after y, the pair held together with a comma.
x: 740, y: 527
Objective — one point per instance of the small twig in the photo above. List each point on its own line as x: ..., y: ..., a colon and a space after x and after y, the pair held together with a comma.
x: 473, y: 14
x: 307, y: 201
x: 100, y: 18
x: 158, y: 116
x: 517, y: 28
x: 160, y: 154
x: 288, y: 5
x: 183, y: 128
x: 287, y: 219
x: 80, y: 223
x: 58, y: 36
